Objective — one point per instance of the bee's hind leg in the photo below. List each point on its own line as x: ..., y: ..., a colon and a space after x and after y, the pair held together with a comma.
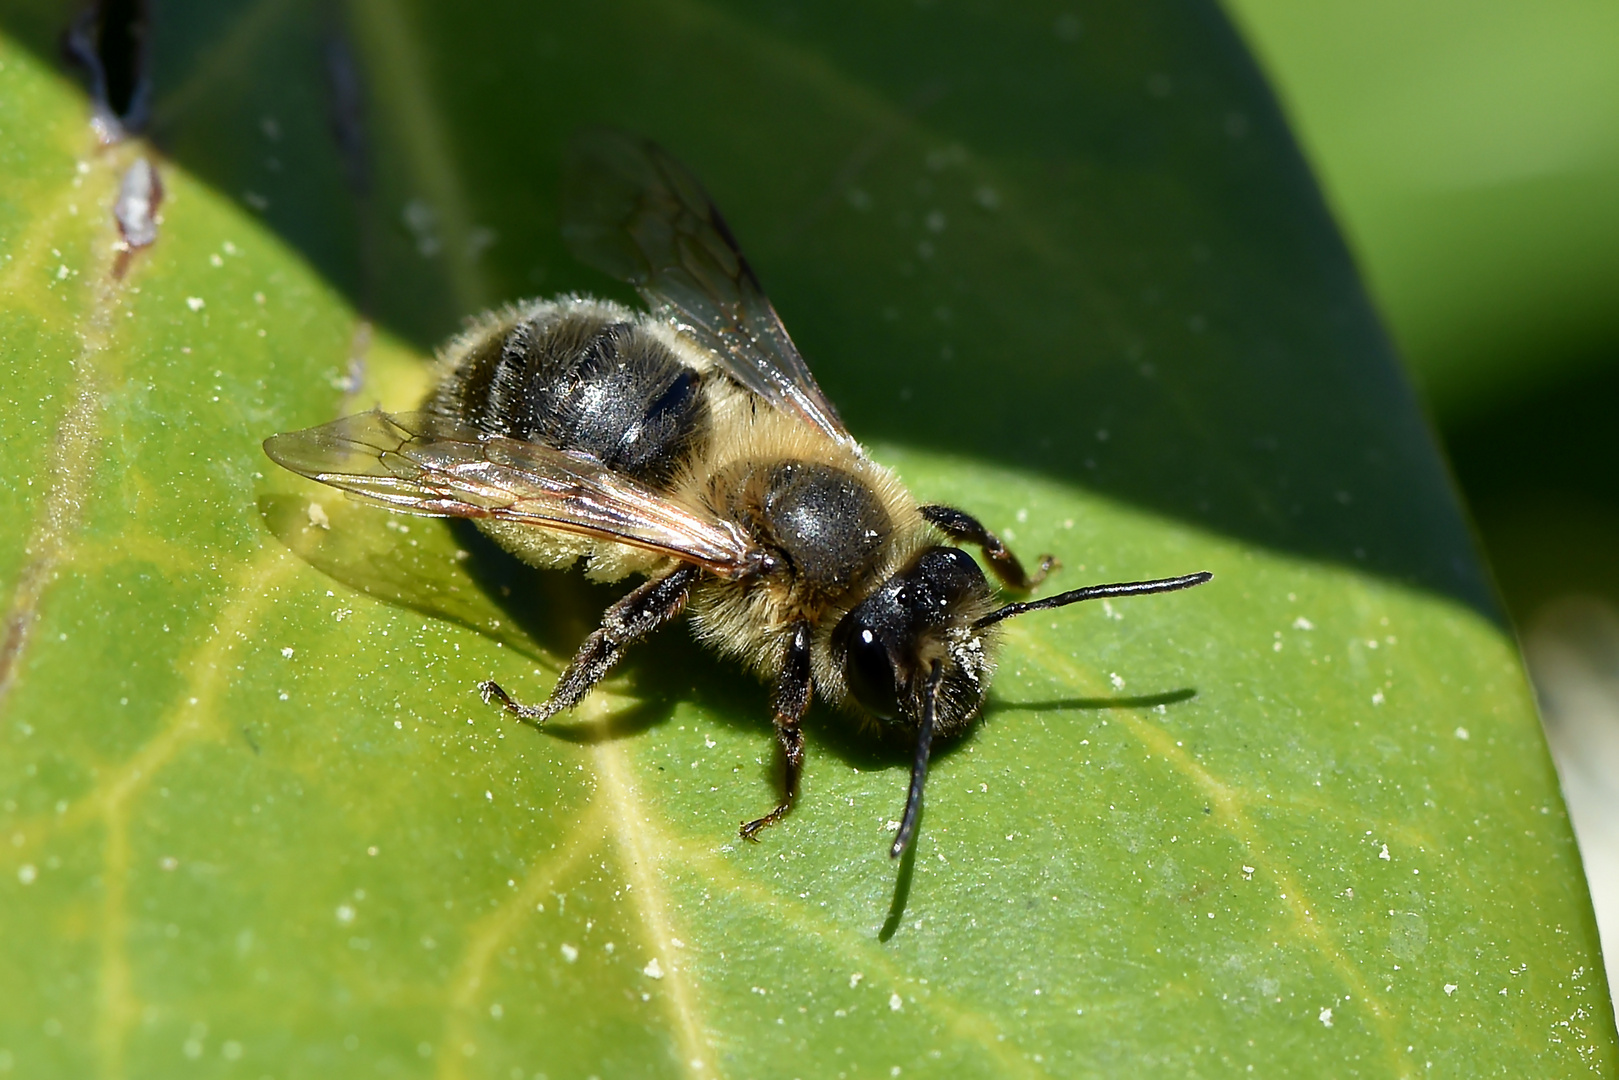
x: 960, y: 525
x: 643, y: 610
x: 788, y: 703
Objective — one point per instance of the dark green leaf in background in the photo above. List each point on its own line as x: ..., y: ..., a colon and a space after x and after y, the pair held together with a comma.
x: 1061, y: 266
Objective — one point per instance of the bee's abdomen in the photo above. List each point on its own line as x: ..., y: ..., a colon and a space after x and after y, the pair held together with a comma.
x: 578, y: 381
x: 831, y: 527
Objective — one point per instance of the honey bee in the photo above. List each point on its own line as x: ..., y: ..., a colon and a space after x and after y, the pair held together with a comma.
x: 689, y: 444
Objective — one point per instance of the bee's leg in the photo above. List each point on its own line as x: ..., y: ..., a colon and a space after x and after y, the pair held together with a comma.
x: 789, y: 702
x: 960, y: 525
x: 638, y: 614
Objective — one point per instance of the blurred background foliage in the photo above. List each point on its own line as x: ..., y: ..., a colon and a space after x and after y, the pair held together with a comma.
x: 1470, y: 151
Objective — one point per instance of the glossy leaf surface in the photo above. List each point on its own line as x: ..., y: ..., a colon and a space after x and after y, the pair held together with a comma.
x: 1061, y: 268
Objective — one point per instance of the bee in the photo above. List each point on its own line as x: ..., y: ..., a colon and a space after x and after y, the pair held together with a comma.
x: 690, y: 445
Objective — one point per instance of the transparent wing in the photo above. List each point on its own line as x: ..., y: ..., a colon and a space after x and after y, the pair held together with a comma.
x: 422, y: 463
x: 633, y: 211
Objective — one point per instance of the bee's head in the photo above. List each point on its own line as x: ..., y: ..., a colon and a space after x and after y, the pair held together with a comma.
x: 920, y: 617
x: 915, y: 650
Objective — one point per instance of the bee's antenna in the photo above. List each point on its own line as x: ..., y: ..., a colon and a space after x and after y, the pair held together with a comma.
x: 1093, y: 592
x: 919, y: 767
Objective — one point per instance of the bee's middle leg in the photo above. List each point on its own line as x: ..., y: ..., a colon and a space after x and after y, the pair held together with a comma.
x: 645, y: 609
x: 788, y: 703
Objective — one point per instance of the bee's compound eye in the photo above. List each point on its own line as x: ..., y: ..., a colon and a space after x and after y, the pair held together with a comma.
x: 870, y: 671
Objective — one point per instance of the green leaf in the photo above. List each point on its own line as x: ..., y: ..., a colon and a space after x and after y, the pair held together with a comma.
x: 1062, y: 269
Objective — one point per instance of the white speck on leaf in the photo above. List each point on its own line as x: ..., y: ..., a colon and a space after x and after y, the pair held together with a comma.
x: 1325, y: 1018
x: 854, y: 980
x: 1384, y: 854
x: 195, y: 303
x: 1450, y: 988
x: 569, y: 953
x: 895, y: 1002
x: 653, y: 969
x: 1462, y: 734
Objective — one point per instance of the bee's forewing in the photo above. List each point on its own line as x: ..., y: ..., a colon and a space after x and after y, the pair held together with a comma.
x: 633, y: 211
x: 423, y: 463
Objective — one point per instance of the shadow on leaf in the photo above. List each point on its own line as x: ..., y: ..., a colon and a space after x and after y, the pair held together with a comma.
x: 1139, y: 701
x: 623, y: 724
x: 902, y: 881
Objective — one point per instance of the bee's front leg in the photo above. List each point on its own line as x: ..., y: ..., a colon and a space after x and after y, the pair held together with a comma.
x: 637, y: 615
x: 962, y: 526
x: 788, y: 703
